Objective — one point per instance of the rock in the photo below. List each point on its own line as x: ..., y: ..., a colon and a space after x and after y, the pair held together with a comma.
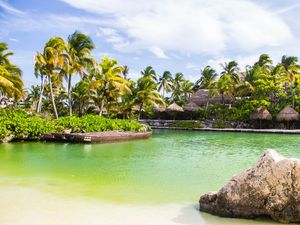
x: 271, y: 188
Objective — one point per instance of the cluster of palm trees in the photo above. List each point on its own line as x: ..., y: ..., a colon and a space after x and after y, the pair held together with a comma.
x: 102, y: 86
x: 11, y: 84
x: 105, y: 87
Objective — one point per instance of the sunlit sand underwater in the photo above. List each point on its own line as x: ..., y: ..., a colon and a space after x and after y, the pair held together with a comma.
x: 154, y: 181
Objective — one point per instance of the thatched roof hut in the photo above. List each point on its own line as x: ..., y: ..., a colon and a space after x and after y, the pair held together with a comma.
x: 191, y: 106
x: 159, y: 108
x: 261, y: 114
x: 174, y: 108
x: 287, y: 114
x: 201, y: 98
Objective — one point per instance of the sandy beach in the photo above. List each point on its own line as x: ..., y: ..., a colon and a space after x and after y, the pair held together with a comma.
x: 27, y: 206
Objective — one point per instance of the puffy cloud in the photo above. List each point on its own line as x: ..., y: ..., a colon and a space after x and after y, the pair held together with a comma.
x: 190, y: 26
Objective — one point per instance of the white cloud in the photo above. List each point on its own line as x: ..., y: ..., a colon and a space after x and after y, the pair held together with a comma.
x: 14, y: 39
x: 158, y: 52
x: 8, y: 8
x: 190, y: 26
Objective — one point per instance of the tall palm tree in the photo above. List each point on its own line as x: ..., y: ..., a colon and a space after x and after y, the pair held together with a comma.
x: 177, y: 86
x: 125, y: 72
x: 187, y: 89
x: 50, y: 61
x: 109, y: 75
x: 146, y: 93
x: 11, y: 83
x: 165, y: 82
x: 290, y: 70
x: 208, y: 76
x: 78, y: 50
x: 291, y: 67
x: 231, y: 69
x: 149, y: 72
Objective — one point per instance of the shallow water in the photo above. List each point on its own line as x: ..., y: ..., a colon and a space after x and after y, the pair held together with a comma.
x: 172, y: 167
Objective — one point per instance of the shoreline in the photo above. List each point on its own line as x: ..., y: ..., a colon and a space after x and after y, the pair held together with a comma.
x: 237, y: 130
x: 89, y: 137
x: 28, y: 206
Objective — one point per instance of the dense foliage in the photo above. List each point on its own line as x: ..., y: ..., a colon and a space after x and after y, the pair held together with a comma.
x: 104, y: 86
x: 94, y: 123
x: 20, y: 124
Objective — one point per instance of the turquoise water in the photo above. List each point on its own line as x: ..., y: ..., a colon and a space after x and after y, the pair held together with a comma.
x: 170, y: 167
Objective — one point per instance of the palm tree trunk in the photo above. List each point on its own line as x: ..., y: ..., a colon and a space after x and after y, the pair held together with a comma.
x: 102, y: 106
x: 223, y: 99
x: 70, y: 94
x: 140, y: 111
x: 39, y: 106
x: 52, y: 97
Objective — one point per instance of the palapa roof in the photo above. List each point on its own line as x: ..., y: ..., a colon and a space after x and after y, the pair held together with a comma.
x: 287, y: 114
x: 174, y: 108
x: 261, y: 114
x: 159, y: 108
x: 191, y: 106
x: 201, y: 97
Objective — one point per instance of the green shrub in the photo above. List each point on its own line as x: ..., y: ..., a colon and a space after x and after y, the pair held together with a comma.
x: 95, y: 123
x: 187, y: 124
x: 219, y: 124
x: 22, y: 125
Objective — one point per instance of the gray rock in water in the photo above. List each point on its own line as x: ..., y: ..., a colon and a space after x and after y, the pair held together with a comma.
x: 271, y: 188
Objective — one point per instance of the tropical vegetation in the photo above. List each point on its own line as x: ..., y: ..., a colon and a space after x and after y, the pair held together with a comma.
x: 74, y: 82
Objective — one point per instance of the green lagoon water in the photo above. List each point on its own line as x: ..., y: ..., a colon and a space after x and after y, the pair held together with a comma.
x: 170, y: 167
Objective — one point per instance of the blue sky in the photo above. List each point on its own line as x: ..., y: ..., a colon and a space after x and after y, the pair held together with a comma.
x: 175, y: 35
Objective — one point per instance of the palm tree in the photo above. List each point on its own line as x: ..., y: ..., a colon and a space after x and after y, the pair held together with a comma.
x: 79, y: 56
x: 33, y: 95
x: 125, y: 72
x: 187, y: 89
x: 149, y: 72
x: 11, y: 83
x: 208, y: 77
x: 146, y: 94
x: 50, y: 61
x: 177, y: 86
x: 232, y: 70
x: 291, y: 69
x: 111, y: 81
x: 165, y: 82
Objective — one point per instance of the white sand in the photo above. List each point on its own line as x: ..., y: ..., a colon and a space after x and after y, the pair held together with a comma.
x: 26, y: 206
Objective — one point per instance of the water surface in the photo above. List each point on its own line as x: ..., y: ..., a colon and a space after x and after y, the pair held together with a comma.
x: 172, y: 167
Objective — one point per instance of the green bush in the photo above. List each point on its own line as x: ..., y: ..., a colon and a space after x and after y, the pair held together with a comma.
x: 187, y: 124
x: 219, y: 124
x: 22, y: 125
x: 95, y: 123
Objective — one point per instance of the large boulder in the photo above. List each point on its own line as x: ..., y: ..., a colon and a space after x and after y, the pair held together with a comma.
x: 271, y: 188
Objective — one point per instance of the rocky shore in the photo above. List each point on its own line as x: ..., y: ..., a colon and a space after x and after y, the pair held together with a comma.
x: 271, y: 188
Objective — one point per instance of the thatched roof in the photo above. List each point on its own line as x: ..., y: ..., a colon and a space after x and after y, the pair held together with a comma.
x: 261, y: 114
x: 287, y: 114
x: 136, y: 108
x: 201, y: 97
x: 174, y: 108
x: 191, y: 106
x: 159, y: 108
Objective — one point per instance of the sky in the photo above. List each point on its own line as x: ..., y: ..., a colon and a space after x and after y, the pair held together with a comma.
x: 175, y: 35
